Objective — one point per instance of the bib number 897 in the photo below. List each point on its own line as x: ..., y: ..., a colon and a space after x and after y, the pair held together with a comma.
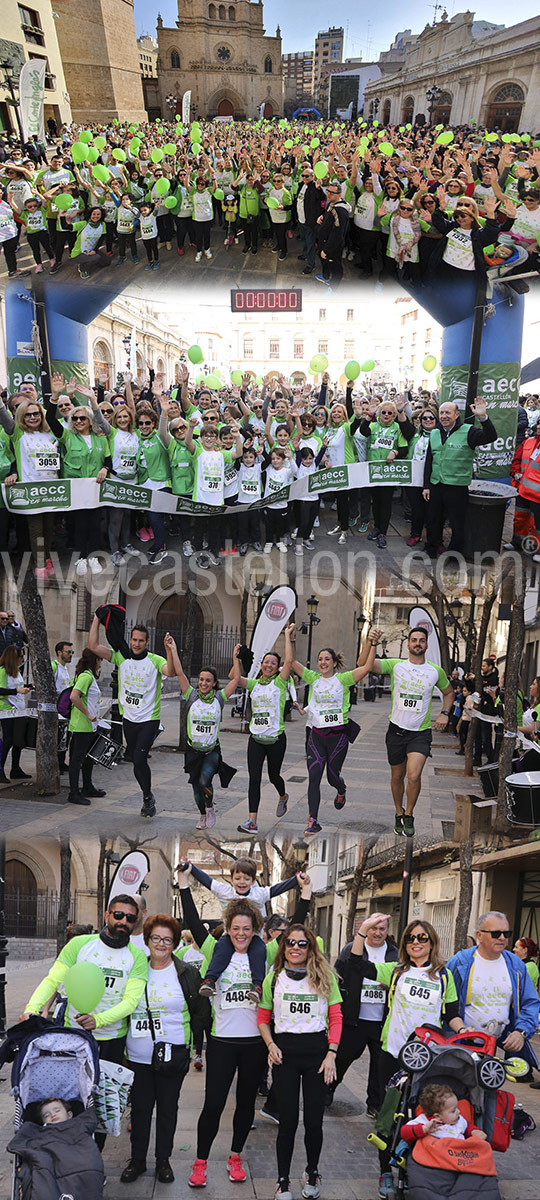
x: 409, y: 702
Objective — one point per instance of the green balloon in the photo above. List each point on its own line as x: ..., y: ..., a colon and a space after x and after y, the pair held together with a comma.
x: 236, y: 377
x: 318, y: 363
x: 386, y: 148
x: 169, y: 202
x: 195, y: 355
x: 63, y: 201
x: 78, y: 152
x: 101, y: 172
x: 320, y: 170
x: 444, y: 139
x: 525, y: 137
x: 219, y: 194
x: 162, y: 186
x: 506, y: 137
x: 92, y: 154
x: 212, y: 381
x: 134, y: 146
x: 84, y: 986
x: 368, y: 365
x: 314, y: 143
x: 439, y: 127
x: 408, y: 126
x: 288, y: 144
x: 170, y: 149
x: 272, y: 202
x: 375, y: 124
x: 352, y: 369
x: 196, y: 148
x: 156, y: 155
x: 119, y: 155
x: 100, y: 142
x: 334, y: 133
x: 86, y: 136
x: 429, y: 363
x: 492, y: 137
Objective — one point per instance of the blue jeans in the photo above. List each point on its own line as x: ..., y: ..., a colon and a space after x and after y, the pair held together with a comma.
x: 202, y: 788
x: 308, y: 244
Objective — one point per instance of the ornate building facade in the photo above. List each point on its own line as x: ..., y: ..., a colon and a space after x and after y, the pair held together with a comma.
x: 221, y: 53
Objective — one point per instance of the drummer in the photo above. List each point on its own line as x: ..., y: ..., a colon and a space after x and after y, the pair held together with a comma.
x: 529, y: 716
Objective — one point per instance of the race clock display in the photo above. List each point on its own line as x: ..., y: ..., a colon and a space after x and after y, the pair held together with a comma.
x: 266, y: 300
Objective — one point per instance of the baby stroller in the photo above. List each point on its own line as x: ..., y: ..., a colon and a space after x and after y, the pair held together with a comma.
x: 51, y: 1060
x: 466, y: 1063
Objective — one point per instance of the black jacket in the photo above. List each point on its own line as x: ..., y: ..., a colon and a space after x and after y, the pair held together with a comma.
x: 333, y: 231
x: 483, y: 236
x: 314, y: 200
x: 350, y: 981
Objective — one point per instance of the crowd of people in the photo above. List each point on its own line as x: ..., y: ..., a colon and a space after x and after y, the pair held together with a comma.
x: 236, y: 448
x: 305, y: 1022
x: 410, y: 203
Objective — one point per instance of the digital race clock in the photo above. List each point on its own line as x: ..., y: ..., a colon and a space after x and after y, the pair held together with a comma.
x: 266, y: 299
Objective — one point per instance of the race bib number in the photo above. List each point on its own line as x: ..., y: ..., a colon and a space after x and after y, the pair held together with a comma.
x: 413, y: 703
x: 421, y: 990
x: 383, y: 443
x: 140, y: 1024
x: 133, y: 699
x: 261, y: 721
x: 250, y: 487
x: 48, y: 462
x: 303, y: 1004
x: 234, y: 998
x: 331, y: 717
x: 211, y: 485
x: 127, y: 463
x: 372, y: 993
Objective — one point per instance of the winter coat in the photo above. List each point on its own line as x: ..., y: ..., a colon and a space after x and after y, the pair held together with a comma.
x: 333, y: 231
x: 59, y: 1160
x: 350, y: 982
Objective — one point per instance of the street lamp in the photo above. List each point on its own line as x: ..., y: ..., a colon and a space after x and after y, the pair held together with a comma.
x: 360, y: 620
x: 171, y: 101
x: 455, y: 608
x: 432, y: 95
x: 10, y: 84
x: 312, y: 606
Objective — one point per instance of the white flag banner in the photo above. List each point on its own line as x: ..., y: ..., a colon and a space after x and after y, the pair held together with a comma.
x: 186, y: 107
x: 261, y: 112
x: 273, y: 617
x: 419, y: 618
x: 31, y: 98
x: 129, y: 874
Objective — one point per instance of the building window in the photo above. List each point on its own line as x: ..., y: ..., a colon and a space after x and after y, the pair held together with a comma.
x: 212, y: 12
x: 248, y: 349
x: 268, y: 65
x: 31, y: 25
x: 102, y: 362
x: 323, y: 348
x: 50, y: 80
x: 222, y: 12
x: 350, y: 314
x: 298, y: 349
x: 348, y: 349
x: 175, y: 60
x: 274, y: 349
x: 232, y: 13
x: 428, y: 337
x: 322, y: 314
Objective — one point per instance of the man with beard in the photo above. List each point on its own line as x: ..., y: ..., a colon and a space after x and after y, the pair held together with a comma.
x: 139, y: 700
x: 125, y: 970
x: 408, y: 740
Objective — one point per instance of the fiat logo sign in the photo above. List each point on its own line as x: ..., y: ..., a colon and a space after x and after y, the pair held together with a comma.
x: 425, y: 624
x: 276, y: 610
x: 128, y: 874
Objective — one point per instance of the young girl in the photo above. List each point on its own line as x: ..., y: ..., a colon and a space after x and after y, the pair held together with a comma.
x: 209, y: 481
x: 149, y: 234
x: 126, y: 218
x: 33, y: 219
x: 279, y: 474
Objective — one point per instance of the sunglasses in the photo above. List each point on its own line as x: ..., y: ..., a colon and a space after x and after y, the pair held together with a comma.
x: 405, y: 208
x: 302, y: 943
x: 131, y: 918
x: 106, y: 410
x: 497, y: 933
x: 421, y: 938
x: 82, y: 418
x: 117, y: 402
x: 428, y: 417
x: 143, y: 424
x: 33, y: 414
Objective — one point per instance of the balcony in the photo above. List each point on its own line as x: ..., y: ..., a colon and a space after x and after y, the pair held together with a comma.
x: 33, y: 33
x: 347, y: 862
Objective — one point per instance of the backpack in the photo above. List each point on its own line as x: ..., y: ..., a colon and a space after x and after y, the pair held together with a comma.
x: 63, y: 703
x: 504, y: 1120
x: 522, y: 1123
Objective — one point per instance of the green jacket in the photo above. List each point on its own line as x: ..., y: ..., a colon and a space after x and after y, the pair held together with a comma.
x: 452, y: 460
x: 250, y: 202
x: 78, y: 460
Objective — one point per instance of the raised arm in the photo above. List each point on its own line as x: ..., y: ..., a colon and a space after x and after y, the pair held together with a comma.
x: 235, y: 677
x: 96, y: 646
x: 191, y: 917
x: 373, y: 637
x: 173, y: 662
x: 290, y: 638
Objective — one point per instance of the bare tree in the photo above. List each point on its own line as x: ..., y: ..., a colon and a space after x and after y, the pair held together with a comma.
x: 516, y: 637
x: 465, y: 893
x: 356, y: 883
x: 65, y: 892
x: 100, y: 895
x: 186, y: 654
x: 47, y: 772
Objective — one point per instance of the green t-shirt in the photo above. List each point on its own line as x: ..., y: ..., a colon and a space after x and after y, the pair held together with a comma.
x: 154, y: 464
x: 125, y: 970
x: 329, y: 699
x: 87, y: 685
x: 139, y: 693
x: 268, y: 698
x: 412, y: 691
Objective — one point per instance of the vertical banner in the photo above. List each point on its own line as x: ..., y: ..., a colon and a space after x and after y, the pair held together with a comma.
x: 130, y: 873
x: 273, y: 617
x: 31, y: 98
x: 186, y: 107
x: 261, y: 112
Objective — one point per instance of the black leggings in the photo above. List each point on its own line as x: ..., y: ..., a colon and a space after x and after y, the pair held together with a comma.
x: 8, y: 735
x: 78, y: 749
x: 274, y: 755
x: 139, y: 737
x: 202, y: 235
x: 325, y: 750
x: 381, y: 503
x: 223, y: 1060
x: 37, y: 240
x: 151, y: 1090
x: 307, y: 511
x: 151, y: 247
x: 127, y: 240
x: 302, y: 1056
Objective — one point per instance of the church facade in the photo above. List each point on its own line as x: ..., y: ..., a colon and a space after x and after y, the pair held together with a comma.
x: 221, y: 53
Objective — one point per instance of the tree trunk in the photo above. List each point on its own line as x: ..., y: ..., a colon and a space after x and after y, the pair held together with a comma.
x: 65, y: 892
x: 465, y: 894
x: 356, y: 883
x: 437, y: 601
x: 47, y: 772
x: 493, y: 586
x: 100, y: 898
x: 516, y: 637
x: 469, y: 748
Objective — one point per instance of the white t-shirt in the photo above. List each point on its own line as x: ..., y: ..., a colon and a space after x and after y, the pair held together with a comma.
x: 405, y: 241
x: 62, y: 676
x: 458, y: 251
x: 443, y: 1131
x: 124, y: 458
x: 117, y: 965
x: 490, y: 995
x: 417, y: 1001
x: 365, y: 212
x: 40, y: 457
x: 373, y: 994
x: 234, y: 1014
x: 276, y: 480
x: 297, y: 1008
x: 412, y: 690
x: 170, y: 1015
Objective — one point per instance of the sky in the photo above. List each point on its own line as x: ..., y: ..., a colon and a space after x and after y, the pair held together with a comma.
x: 301, y: 21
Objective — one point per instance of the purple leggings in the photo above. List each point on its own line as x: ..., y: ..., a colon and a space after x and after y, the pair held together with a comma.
x: 325, y: 749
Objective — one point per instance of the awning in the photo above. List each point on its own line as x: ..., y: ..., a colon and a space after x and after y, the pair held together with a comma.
x: 525, y: 857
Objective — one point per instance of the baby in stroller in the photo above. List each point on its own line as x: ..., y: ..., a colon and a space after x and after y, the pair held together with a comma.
x: 440, y: 1116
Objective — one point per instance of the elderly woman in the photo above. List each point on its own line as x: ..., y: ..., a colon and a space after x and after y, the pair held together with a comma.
x: 389, y: 433
x: 340, y: 452
x: 172, y: 1015
x: 37, y: 456
x: 85, y: 455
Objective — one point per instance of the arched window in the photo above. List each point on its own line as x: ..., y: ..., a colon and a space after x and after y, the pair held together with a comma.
x: 386, y: 112
x: 232, y: 12
x: 212, y: 12
x: 175, y: 60
x: 504, y: 111
x: 408, y: 110
x: 102, y: 361
x: 510, y: 91
x: 222, y: 12
x: 268, y: 65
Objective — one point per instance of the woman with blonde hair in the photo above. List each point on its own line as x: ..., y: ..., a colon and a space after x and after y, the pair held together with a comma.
x: 37, y: 457
x: 301, y: 998
x: 389, y: 432
x: 126, y: 457
x: 340, y: 451
x: 85, y: 455
x: 421, y: 991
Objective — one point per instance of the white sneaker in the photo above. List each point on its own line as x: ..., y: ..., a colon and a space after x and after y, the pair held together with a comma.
x: 226, y: 242
x: 117, y: 559
x: 267, y: 549
x: 316, y: 523
x: 95, y: 566
x: 201, y: 823
x: 129, y: 549
x: 334, y: 532
x: 81, y: 567
x: 210, y: 818
x: 282, y: 547
x: 299, y: 549
x: 535, y: 557
x: 208, y: 254
x: 342, y: 539
x: 294, y: 533
x: 311, y: 1191
x: 187, y: 548
x: 198, y: 256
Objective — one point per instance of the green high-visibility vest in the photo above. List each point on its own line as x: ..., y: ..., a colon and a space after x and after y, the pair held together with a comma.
x: 452, y: 459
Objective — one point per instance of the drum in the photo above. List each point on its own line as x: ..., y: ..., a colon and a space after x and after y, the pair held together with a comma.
x: 489, y: 778
x: 523, y: 798
x: 104, y: 752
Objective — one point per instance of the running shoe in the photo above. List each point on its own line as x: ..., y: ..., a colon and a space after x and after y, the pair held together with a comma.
x: 269, y: 1114
x: 372, y: 537
x: 408, y: 826
x: 334, y: 532
x: 387, y: 1190
x: 398, y: 824
x: 312, y: 827
x: 198, y: 1064
x: 362, y: 528
x: 198, y: 1173
x: 339, y: 801
x: 149, y: 806
x: 381, y: 541
x: 248, y: 826
x: 235, y: 1169
x: 207, y: 988
x: 311, y: 1181
x: 210, y: 817
x: 187, y: 549
x: 201, y: 823
x: 372, y: 1112
x: 282, y: 805
x: 254, y: 993
x: 283, y: 1190
x: 413, y: 540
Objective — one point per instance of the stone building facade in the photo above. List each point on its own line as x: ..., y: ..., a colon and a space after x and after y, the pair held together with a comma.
x: 31, y: 33
x: 100, y: 55
x: 222, y: 54
x: 486, y: 73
